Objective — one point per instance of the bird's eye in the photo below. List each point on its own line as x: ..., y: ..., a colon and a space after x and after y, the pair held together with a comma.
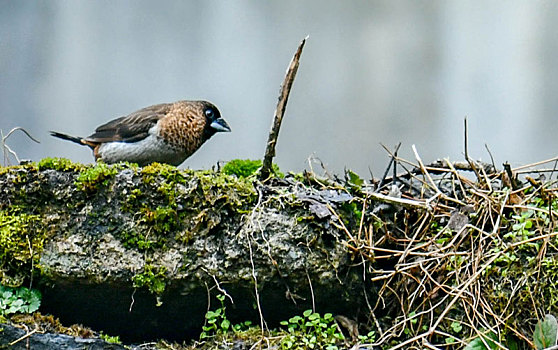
x: 209, y: 113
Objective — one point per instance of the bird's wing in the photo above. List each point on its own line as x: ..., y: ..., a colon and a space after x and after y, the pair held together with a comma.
x: 131, y: 128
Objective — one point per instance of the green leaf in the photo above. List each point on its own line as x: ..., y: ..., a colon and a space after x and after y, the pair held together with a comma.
x: 354, y: 178
x: 11, y: 310
x: 34, y: 305
x: 456, y: 326
x: 545, y: 332
x: 478, y: 344
x: 225, y: 324
x: 307, y: 313
x: 512, y: 344
x: 314, y: 316
x: 295, y: 319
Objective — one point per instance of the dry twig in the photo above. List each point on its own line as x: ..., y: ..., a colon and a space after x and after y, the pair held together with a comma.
x: 280, y: 112
x: 6, y: 150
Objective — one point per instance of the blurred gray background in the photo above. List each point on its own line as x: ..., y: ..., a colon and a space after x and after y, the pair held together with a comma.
x: 371, y: 72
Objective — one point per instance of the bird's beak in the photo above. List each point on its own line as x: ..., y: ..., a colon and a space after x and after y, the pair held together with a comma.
x: 220, y: 125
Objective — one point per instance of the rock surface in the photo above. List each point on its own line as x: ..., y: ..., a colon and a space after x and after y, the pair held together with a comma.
x: 142, y: 252
x: 14, y: 338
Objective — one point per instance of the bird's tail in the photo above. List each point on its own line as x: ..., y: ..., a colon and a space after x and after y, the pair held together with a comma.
x: 62, y: 136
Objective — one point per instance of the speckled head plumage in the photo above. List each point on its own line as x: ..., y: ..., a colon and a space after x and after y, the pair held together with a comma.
x: 164, y: 133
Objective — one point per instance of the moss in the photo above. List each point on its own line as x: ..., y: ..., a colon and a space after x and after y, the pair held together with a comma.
x: 162, y: 219
x: 246, y: 168
x: 167, y: 189
x: 17, y: 174
x: 60, y: 164
x: 151, y: 278
x: 190, y: 203
x: 351, y: 213
x: 134, y: 239
x: 110, y: 339
x: 48, y: 323
x: 132, y: 200
x: 17, y: 168
x: 156, y: 170
x: 4, y: 170
x: 217, y: 187
x: 211, y: 187
x: 92, y: 177
x: 134, y: 195
x: 183, y: 204
x: 242, y: 167
x: 21, y: 242
x: 211, y: 197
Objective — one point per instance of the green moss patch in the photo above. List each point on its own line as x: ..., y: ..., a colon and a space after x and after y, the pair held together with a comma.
x: 152, y: 278
x: 157, y: 170
x: 60, y: 164
x: 162, y: 219
x: 21, y: 242
x: 246, y: 168
x: 91, y: 178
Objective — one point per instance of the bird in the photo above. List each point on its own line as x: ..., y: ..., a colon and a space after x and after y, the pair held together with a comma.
x: 164, y: 133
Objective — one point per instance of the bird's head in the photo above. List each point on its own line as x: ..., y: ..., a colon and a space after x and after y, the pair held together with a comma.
x: 213, y: 120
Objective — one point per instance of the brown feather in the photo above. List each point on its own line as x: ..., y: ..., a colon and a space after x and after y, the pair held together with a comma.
x: 131, y: 128
x: 184, y: 125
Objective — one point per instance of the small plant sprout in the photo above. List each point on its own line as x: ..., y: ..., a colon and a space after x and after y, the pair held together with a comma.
x: 18, y: 300
x: 218, y: 324
x: 311, y: 331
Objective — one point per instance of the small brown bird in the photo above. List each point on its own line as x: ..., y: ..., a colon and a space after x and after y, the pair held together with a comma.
x: 164, y: 133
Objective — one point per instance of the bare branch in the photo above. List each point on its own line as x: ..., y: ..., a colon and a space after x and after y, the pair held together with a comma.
x: 280, y: 112
x: 6, y: 150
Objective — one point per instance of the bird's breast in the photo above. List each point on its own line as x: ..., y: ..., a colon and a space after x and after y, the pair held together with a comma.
x: 182, y: 131
x: 151, y: 149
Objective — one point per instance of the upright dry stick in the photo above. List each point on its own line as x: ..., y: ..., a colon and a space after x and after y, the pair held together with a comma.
x: 471, y: 163
x: 279, y: 112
